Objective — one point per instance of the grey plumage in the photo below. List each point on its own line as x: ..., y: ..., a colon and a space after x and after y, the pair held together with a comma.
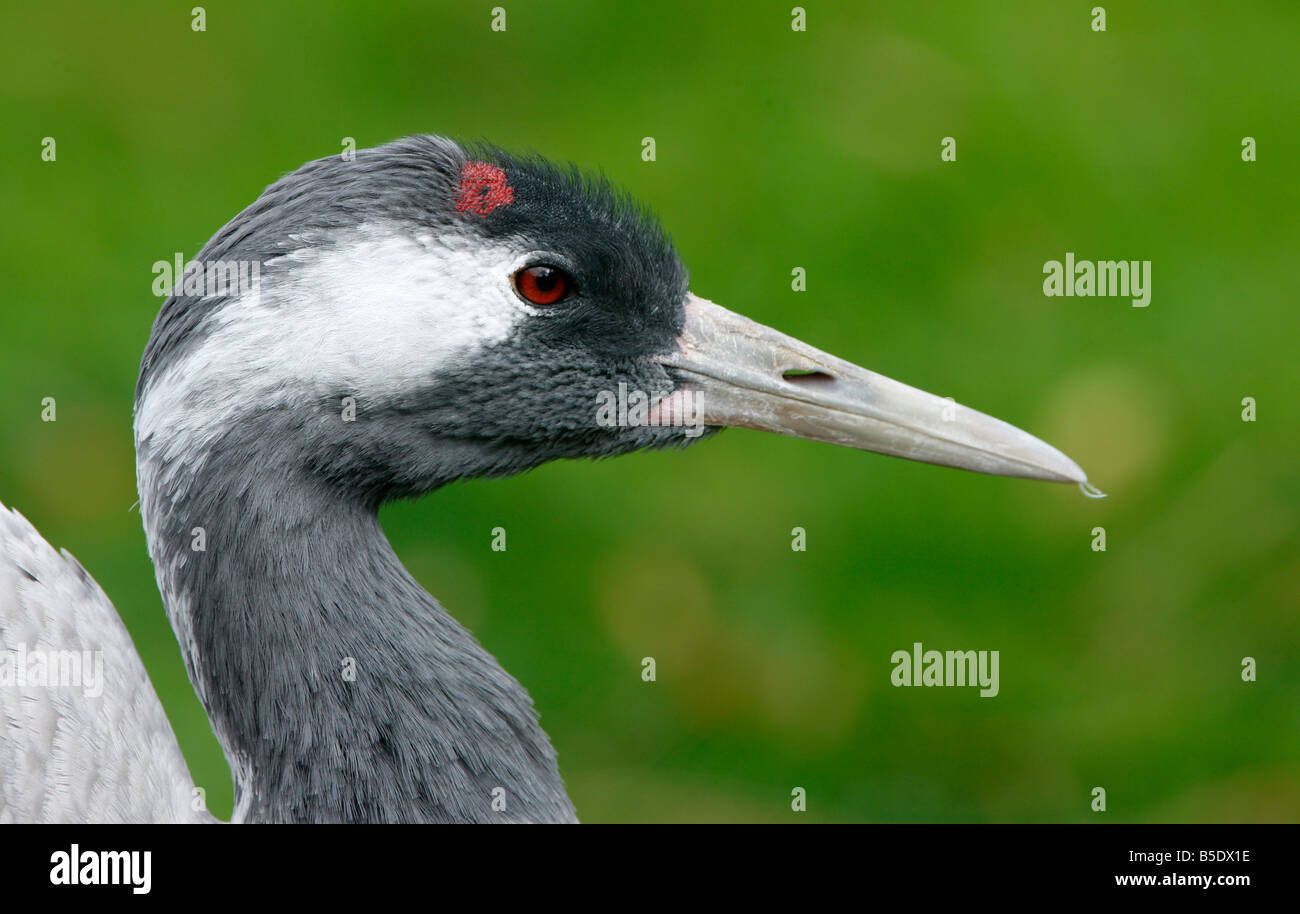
x: 297, y: 575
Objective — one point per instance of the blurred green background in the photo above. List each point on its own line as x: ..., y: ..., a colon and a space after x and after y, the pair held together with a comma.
x: 775, y: 149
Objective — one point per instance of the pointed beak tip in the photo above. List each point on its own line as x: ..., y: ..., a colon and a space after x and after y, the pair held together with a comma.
x: 1051, y: 464
x: 1069, y: 471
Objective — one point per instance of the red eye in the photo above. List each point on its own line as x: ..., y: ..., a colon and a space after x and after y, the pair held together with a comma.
x: 542, y: 285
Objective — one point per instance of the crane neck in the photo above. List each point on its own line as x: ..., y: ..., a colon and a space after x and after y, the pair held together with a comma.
x: 339, y: 689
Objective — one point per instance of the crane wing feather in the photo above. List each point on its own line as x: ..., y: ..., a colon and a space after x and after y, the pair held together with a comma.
x: 83, y: 736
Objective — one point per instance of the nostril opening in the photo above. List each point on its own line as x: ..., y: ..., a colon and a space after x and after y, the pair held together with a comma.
x: 803, y: 378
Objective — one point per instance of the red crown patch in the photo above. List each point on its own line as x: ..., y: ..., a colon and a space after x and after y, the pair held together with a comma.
x: 483, y: 188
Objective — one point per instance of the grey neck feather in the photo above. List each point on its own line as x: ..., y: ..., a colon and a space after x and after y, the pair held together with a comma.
x: 339, y: 689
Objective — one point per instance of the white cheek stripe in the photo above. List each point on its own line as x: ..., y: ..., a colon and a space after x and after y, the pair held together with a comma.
x: 379, y: 314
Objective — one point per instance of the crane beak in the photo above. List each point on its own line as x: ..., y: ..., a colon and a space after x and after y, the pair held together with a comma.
x: 746, y: 375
